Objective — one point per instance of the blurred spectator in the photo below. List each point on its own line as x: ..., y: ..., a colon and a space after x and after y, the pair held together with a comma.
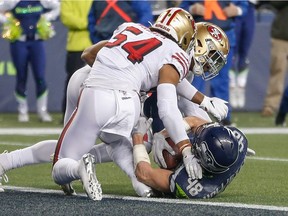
x: 26, y: 26
x: 221, y: 13
x: 279, y: 55
x: 283, y: 109
x: 74, y: 15
x: 244, y: 29
x: 106, y: 16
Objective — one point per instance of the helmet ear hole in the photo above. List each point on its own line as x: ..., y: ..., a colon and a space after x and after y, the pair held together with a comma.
x: 199, y: 44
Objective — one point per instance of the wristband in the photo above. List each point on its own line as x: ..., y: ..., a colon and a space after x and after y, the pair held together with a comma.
x: 140, y: 154
x: 182, y: 146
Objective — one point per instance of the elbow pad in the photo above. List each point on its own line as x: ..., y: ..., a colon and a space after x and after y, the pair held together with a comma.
x: 169, y: 113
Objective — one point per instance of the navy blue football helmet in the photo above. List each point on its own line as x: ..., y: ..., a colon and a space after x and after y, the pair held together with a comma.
x: 216, y: 147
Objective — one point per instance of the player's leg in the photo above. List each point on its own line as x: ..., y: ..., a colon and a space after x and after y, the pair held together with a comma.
x: 38, y: 63
x: 73, y: 90
x: 283, y: 109
x: 19, y: 54
x: 38, y: 153
x: 79, y: 136
x: 121, y: 152
x: 220, y: 85
x: 248, y: 26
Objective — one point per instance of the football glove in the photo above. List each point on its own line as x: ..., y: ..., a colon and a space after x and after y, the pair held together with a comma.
x: 250, y: 152
x: 192, y: 165
x: 142, y: 126
x: 215, y: 106
x: 159, y: 144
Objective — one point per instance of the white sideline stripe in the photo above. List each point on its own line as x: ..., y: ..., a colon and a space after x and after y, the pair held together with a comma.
x: 157, y: 200
x: 268, y: 159
x: 51, y: 131
x: 272, y: 130
x: 30, y: 131
x: 15, y: 144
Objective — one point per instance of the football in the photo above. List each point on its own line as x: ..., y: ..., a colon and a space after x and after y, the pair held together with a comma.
x: 172, y: 161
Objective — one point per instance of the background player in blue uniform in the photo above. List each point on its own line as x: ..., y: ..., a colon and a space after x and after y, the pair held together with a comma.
x: 28, y: 48
x: 105, y: 16
x: 220, y: 151
x: 223, y: 14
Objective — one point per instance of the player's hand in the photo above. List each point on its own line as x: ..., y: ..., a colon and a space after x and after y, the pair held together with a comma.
x: 142, y: 126
x: 216, y: 106
x: 160, y: 144
x: 250, y: 152
x: 192, y: 165
x: 231, y: 10
x: 197, y: 9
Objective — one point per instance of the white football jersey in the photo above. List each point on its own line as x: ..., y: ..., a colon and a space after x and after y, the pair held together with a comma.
x: 132, y: 58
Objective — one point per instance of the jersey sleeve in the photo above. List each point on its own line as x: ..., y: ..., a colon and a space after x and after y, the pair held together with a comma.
x: 180, y: 60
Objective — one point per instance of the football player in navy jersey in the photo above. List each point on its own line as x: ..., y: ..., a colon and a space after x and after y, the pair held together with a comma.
x: 220, y: 150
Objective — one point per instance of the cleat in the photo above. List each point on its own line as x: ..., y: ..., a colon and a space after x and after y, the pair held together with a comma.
x: 23, y: 117
x: 68, y: 190
x: 88, y: 177
x: 44, y: 117
x: 280, y: 119
x: 267, y: 112
x: 3, y: 176
x: 233, y: 97
x: 241, y: 97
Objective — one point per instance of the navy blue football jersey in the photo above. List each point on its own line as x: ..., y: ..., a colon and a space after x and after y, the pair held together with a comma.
x: 181, y: 186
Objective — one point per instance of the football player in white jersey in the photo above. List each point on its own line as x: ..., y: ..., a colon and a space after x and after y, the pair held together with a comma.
x: 109, y: 106
x: 46, y: 159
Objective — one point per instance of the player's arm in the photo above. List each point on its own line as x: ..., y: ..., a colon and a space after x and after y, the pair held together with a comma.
x: 215, y: 106
x: 154, y: 177
x: 90, y: 53
x: 168, y: 107
x: 172, y: 118
x: 192, y: 123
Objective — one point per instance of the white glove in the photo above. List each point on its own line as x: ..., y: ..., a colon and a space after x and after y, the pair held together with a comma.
x: 159, y: 144
x: 216, y: 106
x: 142, y: 126
x: 250, y: 152
x: 192, y: 164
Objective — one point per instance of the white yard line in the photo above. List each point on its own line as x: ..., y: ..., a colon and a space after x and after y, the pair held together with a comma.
x: 30, y: 131
x: 157, y: 200
x: 51, y: 131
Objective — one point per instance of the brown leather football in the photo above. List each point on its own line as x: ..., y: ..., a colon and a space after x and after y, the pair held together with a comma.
x: 172, y: 161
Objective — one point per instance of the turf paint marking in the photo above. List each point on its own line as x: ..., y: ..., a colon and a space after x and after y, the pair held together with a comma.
x: 268, y: 159
x: 157, y: 200
x: 53, y: 131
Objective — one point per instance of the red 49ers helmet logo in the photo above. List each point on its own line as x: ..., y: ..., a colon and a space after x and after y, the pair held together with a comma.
x: 215, y: 33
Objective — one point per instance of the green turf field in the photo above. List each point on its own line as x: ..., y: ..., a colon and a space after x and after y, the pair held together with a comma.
x: 262, y: 180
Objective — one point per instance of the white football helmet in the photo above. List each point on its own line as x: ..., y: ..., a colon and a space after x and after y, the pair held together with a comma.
x: 178, y: 24
x: 211, y: 50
